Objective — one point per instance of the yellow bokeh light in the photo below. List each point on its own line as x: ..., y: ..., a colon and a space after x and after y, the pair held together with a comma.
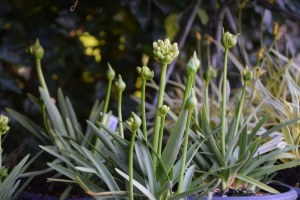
x: 86, y: 74
x: 89, y: 51
x: 102, y: 33
x: 89, y: 17
x: 138, y: 82
x: 54, y: 77
x: 78, y: 32
x: 88, y: 40
x: 122, y: 39
x: 7, y: 25
x: 121, y: 47
x: 138, y: 94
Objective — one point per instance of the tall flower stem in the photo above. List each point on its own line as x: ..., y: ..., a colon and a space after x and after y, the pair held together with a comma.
x: 206, y: 99
x: 208, y: 54
x: 102, y: 117
x: 224, y: 104
x: 195, y: 109
x: 199, y: 56
x: 187, y: 89
x: 40, y: 75
x: 157, y: 117
x: 161, y: 134
x: 262, y: 29
x: 239, y: 111
x: 131, y: 165
x: 276, y: 47
x: 183, y: 158
x: 240, y: 31
x: 143, y: 99
x: 120, y: 114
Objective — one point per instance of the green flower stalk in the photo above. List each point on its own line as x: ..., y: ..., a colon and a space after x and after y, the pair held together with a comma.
x: 247, y: 75
x: 110, y: 74
x: 191, y: 103
x: 146, y: 74
x: 228, y: 40
x: 164, y: 53
x: 162, y: 111
x: 120, y: 84
x: 190, y: 70
x: 3, y: 129
x: 198, y: 37
x: 198, y: 64
x: 209, y: 74
x: 134, y: 122
x: 38, y: 52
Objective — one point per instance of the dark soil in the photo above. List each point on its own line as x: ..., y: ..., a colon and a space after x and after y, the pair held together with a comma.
x: 39, y: 186
x: 289, y: 176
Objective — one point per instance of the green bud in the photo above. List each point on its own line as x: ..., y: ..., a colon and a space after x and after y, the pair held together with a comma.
x: 134, y: 122
x: 191, y: 102
x: 210, y: 73
x: 163, y: 110
x: 247, y: 74
x: 228, y: 40
x: 3, y: 172
x: 3, y: 124
x: 165, y: 52
x: 145, y: 73
x: 120, y: 84
x: 196, y: 60
x: 36, y: 50
x: 110, y: 73
x: 190, y: 67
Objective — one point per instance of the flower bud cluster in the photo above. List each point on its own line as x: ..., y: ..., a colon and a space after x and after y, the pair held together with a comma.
x: 145, y: 73
x: 110, y: 73
x: 120, y: 84
x: 36, y: 50
x: 3, y: 124
x: 210, y: 73
x: 165, y: 52
x: 163, y: 110
x: 247, y: 74
x: 191, y: 102
x: 134, y: 122
x: 228, y: 40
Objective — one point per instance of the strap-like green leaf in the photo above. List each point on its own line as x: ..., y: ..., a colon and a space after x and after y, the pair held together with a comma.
x: 256, y: 183
x: 138, y: 185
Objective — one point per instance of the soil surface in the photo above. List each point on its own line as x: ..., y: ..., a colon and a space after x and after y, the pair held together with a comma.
x: 39, y: 186
x: 289, y: 176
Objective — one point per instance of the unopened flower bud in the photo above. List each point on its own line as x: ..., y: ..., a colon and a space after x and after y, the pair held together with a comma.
x: 3, y: 124
x: 247, y: 74
x: 145, y: 59
x: 279, y: 34
x: 167, y: 42
x: 259, y: 54
x: 208, y: 39
x: 163, y: 110
x: 228, y: 40
x: 275, y: 28
x: 134, y: 122
x: 210, y: 73
x: 196, y: 60
x: 120, y: 84
x: 145, y: 73
x: 198, y: 36
x: 190, y: 68
x: 36, y: 50
x: 3, y: 172
x: 110, y: 73
x: 191, y: 102
x: 160, y: 43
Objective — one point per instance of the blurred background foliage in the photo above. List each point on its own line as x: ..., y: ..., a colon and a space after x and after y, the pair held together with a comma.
x: 78, y: 44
